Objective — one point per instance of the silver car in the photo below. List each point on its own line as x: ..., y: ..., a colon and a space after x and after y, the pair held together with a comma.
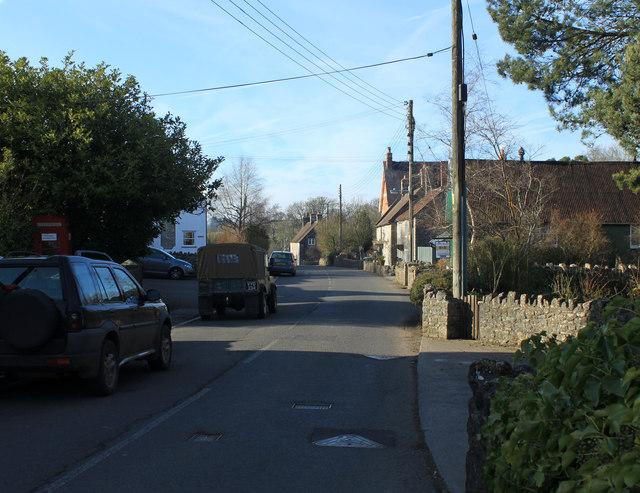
x: 161, y: 263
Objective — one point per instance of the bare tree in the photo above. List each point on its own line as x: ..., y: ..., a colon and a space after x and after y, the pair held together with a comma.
x: 488, y: 133
x: 611, y: 152
x: 241, y: 204
x: 505, y: 199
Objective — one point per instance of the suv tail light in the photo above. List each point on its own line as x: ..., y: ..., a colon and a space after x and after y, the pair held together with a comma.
x: 75, y: 321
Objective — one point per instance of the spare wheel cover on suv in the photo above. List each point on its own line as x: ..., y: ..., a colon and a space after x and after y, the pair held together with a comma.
x: 28, y: 318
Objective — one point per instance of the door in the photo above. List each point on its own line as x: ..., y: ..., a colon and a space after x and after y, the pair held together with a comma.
x: 145, y: 314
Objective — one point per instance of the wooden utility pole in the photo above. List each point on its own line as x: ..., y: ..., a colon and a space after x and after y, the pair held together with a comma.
x: 458, y: 99
x: 340, y: 221
x: 412, y: 125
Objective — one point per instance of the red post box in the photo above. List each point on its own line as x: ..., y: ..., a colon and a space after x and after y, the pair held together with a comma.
x: 52, y: 235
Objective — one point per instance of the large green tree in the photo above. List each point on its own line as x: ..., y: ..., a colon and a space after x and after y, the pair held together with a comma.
x: 584, y: 55
x: 85, y: 143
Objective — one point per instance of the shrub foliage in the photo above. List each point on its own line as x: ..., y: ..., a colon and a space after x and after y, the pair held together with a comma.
x: 573, y: 425
x: 442, y: 280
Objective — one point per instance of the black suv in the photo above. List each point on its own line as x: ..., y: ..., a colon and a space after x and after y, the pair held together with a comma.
x: 70, y: 314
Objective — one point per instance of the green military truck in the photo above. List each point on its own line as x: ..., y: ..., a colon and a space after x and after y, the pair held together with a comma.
x: 235, y: 275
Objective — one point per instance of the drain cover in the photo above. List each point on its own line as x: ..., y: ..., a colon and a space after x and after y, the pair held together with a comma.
x: 203, y: 436
x: 349, y: 441
x: 312, y: 405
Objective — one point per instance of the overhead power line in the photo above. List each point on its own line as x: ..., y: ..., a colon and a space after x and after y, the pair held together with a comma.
x: 347, y: 88
x: 380, y: 94
x: 284, y: 79
x: 287, y: 55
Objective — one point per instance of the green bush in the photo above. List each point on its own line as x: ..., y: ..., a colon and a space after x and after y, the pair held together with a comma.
x: 442, y: 280
x: 499, y: 265
x: 575, y: 424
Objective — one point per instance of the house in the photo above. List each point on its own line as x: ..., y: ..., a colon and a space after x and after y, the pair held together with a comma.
x: 303, y: 244
x: 517, y: 194
x: 393, y: 235
x: 186, y: 235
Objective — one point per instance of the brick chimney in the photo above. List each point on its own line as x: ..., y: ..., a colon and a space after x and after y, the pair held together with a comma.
x: 389, y: 159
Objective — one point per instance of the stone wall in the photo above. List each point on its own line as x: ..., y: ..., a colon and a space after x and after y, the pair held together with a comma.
x: 505, y: 320
x: 406, y: 273
x: 348, y: 263
x: 444, y: 317
x: 401, y: 274
x: 483, y: 378
x: 380, y: 270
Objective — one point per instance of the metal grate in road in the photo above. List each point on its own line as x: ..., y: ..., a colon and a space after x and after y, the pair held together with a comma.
x: 348, y: 441
x: 203, y: 436
x: 319, y: 406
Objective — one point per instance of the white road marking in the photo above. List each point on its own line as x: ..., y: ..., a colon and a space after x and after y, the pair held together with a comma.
x: 102, y: 456
x: 260, y: 351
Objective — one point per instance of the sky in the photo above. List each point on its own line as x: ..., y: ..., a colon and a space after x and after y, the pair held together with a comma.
x: 307, y: 137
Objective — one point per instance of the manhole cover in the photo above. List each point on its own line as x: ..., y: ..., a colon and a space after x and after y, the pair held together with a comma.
x: 312, y: 405
x: 203, y: 436
x: 348, y: 441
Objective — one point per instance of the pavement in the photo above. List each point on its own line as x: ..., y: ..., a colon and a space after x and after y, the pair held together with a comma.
x: 443, y: 396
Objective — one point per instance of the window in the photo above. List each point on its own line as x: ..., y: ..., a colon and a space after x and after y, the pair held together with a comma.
x: 88, y: 289
x: 634, y: 236
x: 45, y: 279
x: 544, y: 234
x: 128, y: 286
x: 189, y: 238
x: 108, y: 284
x: 311, y: 241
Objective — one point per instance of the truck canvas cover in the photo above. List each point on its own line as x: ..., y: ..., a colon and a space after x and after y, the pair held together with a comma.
x: 231, y: 260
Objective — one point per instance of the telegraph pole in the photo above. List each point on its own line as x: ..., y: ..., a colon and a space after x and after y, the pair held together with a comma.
x: 412, y: 125
x: 458, y: 99
x: 340, y: 221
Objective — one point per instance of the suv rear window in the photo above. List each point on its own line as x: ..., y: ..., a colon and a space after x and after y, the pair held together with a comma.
x: 45, y: 279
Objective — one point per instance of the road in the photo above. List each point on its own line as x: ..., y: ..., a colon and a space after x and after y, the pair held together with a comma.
x: 320, y: 396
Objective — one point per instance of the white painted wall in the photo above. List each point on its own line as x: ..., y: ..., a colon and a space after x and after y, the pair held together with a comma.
x: 186, y: 222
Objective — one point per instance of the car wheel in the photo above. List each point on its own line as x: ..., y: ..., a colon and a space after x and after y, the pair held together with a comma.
x: 176, y: 273
x: 272, y: 301
x: 162, y: 359
x: 28, y: 318
x: 106, y: 382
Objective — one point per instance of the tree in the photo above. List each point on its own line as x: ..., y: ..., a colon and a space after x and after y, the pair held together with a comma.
x: 84, y: 143
x: 578, y: 239
x: 241, y: 205
x: 612, y: 152
x: 315, y: 205
x: 488, y: 134
x: 583, y: 55
x: 328, y: 236
x: 359, y: 225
